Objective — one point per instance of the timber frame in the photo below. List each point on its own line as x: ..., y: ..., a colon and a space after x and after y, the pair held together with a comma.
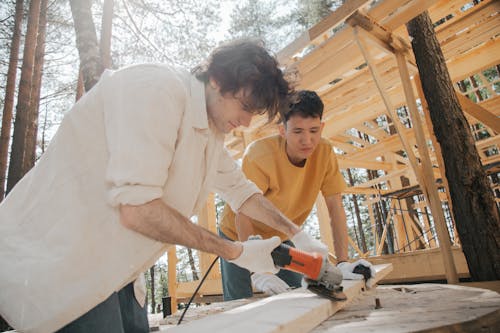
x: 359, y: 60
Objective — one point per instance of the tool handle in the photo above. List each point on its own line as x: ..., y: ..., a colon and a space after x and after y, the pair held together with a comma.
x: 281, y: 255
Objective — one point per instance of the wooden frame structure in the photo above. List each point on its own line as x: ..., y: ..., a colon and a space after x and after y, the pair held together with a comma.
x: 359, y: 60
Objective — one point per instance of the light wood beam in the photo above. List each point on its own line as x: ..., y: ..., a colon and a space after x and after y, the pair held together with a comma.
x: 429, y: 186
x: 480, y: 113
x: 316, y: 34
x: 172, y: 277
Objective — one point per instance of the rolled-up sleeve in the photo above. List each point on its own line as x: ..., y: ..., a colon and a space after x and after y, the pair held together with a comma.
x: 231, y: 183
x: 143, y: 108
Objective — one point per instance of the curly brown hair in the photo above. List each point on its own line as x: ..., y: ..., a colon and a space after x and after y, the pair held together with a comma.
x: 246, y: 64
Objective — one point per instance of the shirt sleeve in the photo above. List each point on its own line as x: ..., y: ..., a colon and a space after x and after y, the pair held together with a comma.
x: 254, y: 173
x: 143, y: 109
x: 232, y: 184
x: 334, y: 182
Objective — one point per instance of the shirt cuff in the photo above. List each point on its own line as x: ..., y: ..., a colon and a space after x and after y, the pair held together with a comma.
x: 235, y: 201
x: 133, y: 195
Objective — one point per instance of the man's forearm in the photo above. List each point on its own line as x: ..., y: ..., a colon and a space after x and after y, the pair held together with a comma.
x: 261, y: 209
x: 161, y: 222
x: 244, y: 226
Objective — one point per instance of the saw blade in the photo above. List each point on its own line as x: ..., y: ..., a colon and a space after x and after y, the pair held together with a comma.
x: 335, y: 295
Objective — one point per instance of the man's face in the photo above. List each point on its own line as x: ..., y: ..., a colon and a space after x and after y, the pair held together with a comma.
x: 302, y: 135
x: 227, y: 111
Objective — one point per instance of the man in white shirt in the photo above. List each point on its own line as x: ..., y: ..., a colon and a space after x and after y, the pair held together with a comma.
x: 130, y: 163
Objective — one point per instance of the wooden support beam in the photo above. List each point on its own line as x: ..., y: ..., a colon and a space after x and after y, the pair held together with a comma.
x: 297, y: 311
x: 429, y: 186
x: 345, y: 163
x: 393, y: 14
x: 172, y: 277
x: 426, y: 181
x: 480, y: 113
x: 325, y: 227
x: 316, y: 34
x: 207, y: 220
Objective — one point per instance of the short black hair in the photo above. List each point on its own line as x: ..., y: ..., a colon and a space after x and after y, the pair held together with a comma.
x: 246, y: 64
x: 305, y: 103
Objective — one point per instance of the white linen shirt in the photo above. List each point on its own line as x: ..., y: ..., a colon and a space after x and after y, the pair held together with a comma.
x: 140, y: 134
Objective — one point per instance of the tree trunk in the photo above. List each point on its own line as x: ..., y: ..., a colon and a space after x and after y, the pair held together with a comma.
x: 10, y: 89
x: 23, y: 98
x: 476, y: 215
x: 359, y: 222
x: 106, y: 27
x: 86, y: 42
x: 153, y: 302
x: 32, y: 130
x: 192, y: 265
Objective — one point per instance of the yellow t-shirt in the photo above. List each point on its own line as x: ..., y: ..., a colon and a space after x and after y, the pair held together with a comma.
x: 290, y: 188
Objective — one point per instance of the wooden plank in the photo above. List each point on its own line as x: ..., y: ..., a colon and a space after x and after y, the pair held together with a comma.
x: 313, y: 35
x: 483, y: 57
x: 393, y: 13
x: 420, y: 265
x: 435, y: 308
x: 477, y: 111
x: 172, y: 277
x: 325, y: 227
x: 296, y: 311
x: 345, y: 163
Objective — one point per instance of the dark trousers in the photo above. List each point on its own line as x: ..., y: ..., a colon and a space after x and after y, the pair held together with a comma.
x: 120, y: 313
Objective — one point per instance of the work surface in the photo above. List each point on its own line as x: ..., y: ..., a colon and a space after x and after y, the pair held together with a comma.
x: 400, y: 308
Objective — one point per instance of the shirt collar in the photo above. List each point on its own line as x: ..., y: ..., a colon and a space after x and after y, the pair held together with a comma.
x: 199, y: 116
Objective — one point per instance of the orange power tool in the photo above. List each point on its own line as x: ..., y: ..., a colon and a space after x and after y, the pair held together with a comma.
x: 322, y: 277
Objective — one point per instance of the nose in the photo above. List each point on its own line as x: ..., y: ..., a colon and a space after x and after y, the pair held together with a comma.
x: 306, y: 138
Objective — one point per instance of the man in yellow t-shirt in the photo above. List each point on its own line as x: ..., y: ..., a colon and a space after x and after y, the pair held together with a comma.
x: 290, y: 169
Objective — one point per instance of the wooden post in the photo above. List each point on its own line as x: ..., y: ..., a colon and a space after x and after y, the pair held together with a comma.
x: 426, y: 176
x: 172, y: 276
x: 325, y: 228
x: 207, y: 220
x: 429, y: 186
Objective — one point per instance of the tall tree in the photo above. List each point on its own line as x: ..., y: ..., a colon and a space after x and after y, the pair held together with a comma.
x: 10, y: 88
x: 359, y: 221
x: 264, y: 20
x: 86, y: 42
x: 476, y: 215
x: 24, y: 98
x: 153, y: 300
x: 311, y: 12
x: 32, y: 129
x: 106, y: 28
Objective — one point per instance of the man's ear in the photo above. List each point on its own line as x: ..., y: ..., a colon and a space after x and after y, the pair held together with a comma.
x: 213, y: 84
x: 321, y: 127
x: 282, y: 129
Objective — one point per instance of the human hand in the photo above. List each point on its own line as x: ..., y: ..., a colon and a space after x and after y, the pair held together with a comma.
x: 256, y: 255
x: 347, y: 269
x: 305, y: 242
x: 269, y: 283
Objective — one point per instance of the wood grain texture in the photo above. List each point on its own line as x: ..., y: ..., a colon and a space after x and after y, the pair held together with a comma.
x: 297, y: 311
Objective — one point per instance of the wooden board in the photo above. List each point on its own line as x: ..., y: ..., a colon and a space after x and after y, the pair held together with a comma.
x: 297, y: 311
x: 423, y: 307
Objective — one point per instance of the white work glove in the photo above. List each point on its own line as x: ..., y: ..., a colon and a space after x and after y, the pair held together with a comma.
x: 140, y: 290
x: 305, y: 242
x: 256, y: 255
x: 269, y: 283
x: 348, y: 267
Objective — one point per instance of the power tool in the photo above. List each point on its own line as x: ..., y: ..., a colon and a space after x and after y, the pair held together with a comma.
x: 322, y: 277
